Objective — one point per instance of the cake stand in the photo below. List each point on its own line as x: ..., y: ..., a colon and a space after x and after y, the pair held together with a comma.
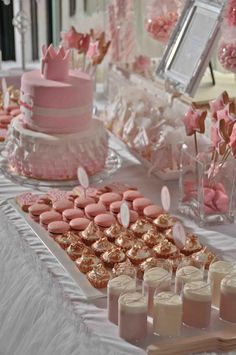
x: 112, y: 164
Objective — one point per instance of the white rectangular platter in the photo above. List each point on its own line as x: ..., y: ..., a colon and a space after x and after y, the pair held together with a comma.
x: 63, y: 259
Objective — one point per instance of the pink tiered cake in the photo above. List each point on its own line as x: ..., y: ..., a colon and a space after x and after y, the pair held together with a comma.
x: 55, y: 132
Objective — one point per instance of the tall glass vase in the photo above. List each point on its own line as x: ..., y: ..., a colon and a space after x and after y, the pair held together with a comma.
x: 207, y: 191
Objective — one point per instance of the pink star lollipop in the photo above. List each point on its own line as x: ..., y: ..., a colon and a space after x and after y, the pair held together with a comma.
x: 194, y: 121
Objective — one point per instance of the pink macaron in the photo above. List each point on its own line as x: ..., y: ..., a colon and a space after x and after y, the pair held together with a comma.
x: 58, y: 227
x: 5, y: 119
x: 83, y: 201
x: 152, y: 211
x: 105, y: 220
x: 115, y: 206
x: 133, y: 216
x: 37, y: 209
x: 109, y: 197
x: 12, y: 107
x: 79, y: 224
x: 131, y: 195
x: 3, y: 112
x: 72, y: 213
x: 48, y: 217
x: 62, y: 205
x: 94, y: 209
x: 140, y: 203
x: 15, y: 112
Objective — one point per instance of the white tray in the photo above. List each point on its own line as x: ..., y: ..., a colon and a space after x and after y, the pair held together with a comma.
x: 89, y: 291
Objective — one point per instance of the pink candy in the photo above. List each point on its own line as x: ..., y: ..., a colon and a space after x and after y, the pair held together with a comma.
x: 227, y: 55
x: 215, y: 197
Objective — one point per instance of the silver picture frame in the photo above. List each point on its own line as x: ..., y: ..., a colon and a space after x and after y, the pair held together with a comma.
x: 191, y: 45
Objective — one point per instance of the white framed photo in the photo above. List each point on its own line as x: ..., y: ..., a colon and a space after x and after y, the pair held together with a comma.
x: 191, y: 45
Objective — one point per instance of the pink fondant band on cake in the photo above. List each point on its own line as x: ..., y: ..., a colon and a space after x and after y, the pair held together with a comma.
x: 59, y: 123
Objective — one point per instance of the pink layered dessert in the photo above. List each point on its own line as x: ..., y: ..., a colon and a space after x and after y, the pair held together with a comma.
x: 55, y: 132
x: 56, y: 99
x: 56, y: 106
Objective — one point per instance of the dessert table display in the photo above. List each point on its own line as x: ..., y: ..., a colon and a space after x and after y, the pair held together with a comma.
x: 56, y: 315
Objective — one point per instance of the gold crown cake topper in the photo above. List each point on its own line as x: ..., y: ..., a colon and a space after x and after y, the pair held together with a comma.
x: 55, y: 63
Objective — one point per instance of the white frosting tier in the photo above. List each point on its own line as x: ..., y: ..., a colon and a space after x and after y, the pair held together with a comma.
x: 168, y: 298
x: 121, y: 284
x: 197, y: 291
x: 56, y: 157
x: 189, y: 273
x: 157, y: 276
x: 221, y: 267
x: 228, y: 284
x: 133, y: 302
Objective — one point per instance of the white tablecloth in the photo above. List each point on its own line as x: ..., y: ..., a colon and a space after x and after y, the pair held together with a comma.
x: 42, y: 310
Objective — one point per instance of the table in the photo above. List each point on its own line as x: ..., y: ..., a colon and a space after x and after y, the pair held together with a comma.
x: 42, y: 311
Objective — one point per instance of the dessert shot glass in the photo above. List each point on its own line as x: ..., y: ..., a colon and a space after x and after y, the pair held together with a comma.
x: 167, y: 314
x: 217, y: 271
x: 197, y: 296
x: 157, y: 279
x: 187, y: 272
x: 227, y: 311
x: 132, y: 316
x: 117, y: 286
